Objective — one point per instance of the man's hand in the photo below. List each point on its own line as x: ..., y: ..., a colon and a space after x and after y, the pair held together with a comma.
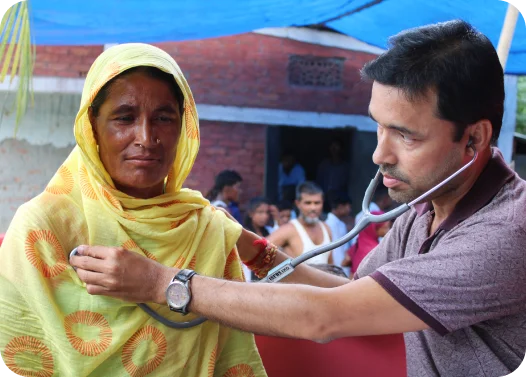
x: 117, y: 272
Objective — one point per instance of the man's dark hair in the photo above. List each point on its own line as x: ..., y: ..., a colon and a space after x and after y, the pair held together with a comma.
x: 223, y: 179
x: 284, y: 205
x: 459, y: 63
x: 309, y: 188
x: 338, y: 199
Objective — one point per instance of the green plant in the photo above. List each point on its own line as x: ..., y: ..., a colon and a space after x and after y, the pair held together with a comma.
x: 17, y: 53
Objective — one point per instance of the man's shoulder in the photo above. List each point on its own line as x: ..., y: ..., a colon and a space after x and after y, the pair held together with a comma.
x: 284, y: 230
x: 507, y: 208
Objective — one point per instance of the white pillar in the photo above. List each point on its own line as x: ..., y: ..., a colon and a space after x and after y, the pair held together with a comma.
x: 506, y: 35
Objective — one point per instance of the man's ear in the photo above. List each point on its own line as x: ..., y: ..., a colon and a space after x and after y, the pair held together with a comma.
x: 93, y: 121
x: 480, y: 134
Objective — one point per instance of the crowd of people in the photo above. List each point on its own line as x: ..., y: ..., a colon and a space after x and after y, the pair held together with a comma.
x: 297, y: 223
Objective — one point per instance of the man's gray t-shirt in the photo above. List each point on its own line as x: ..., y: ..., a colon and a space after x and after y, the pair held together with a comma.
x: 467, y: 281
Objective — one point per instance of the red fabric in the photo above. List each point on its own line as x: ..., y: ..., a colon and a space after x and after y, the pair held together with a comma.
x: 367, y: 240
x: 372, y: 356
x: 1, y: 238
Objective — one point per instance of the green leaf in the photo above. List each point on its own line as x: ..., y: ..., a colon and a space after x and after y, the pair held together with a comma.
x: 20, y: 55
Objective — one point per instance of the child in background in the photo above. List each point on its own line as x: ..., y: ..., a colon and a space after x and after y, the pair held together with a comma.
x: 367, y: 241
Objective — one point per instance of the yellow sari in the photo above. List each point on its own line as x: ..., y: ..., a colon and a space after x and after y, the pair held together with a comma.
x: 50, y: 325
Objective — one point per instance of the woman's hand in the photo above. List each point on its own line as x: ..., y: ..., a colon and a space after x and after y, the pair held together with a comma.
x: 117, y: 272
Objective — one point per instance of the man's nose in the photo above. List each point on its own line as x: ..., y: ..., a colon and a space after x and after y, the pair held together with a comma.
x: 383, y: 154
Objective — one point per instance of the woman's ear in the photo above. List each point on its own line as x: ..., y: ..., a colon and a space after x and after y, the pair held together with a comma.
x: 93, y: 121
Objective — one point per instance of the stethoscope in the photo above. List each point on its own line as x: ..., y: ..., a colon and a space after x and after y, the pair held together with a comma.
x: 288, y: 266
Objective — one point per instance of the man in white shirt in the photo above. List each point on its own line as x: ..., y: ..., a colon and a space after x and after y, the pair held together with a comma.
x: 340, y: 209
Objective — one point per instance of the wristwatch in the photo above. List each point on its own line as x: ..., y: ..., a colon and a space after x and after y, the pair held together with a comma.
x: 178, y: 294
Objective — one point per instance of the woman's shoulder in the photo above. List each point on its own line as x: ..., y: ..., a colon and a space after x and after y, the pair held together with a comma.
x: 46, y: 209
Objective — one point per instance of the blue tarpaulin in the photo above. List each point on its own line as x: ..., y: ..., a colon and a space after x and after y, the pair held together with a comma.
x: 74, y: 22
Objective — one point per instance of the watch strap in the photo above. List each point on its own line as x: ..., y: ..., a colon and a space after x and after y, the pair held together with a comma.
x: 184, y: 276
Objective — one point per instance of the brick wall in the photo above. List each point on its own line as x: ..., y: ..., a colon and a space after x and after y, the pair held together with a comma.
x: 235, y: 146
x: 65, y: 61
x: 251, y: 70
x: 242, y: 70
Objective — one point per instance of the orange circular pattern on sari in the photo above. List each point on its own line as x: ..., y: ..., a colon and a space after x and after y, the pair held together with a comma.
x: 33, y: 255
x: 113, y: 70
x: 87, y: 130
x: 179, y: 263
x: 34, y: 346
x: 92, y: 347
x: 129, y: 216
x: 191, y: 129
x: 113, y: 200
x: 240, y: 370
x: 212, y: 362
x: 169, y: 204
x: 131, y: 244
x: 231, y: 261
x: 85, y: 185
x: 145, y: 334
x: 67, y: 182
x: 175, y: 224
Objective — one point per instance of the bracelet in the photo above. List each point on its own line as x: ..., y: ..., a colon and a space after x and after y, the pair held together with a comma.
x: 262, y: 243
x: 265, y: 258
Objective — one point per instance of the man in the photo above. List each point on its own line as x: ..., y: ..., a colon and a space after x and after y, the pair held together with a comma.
x: 340, y: 209
x: 333, y: 172
x: 281, y: 214
x: 307, y: 232
x: 226, y: 192
x: 451, y: 273
x: 290, y: 175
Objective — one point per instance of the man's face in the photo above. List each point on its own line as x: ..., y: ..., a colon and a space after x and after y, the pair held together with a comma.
x: 232, y: 193
x: 284, y: 216
x: 415, y: 148
x: 343, y: 210
x: 310, y: 207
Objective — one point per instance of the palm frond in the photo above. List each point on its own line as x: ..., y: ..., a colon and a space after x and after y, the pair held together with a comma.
x: 17, y: 52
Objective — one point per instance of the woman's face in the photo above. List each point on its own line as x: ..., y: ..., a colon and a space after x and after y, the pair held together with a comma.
x: 232, y: 193
x: 260, y: 215
x: 137, y: 129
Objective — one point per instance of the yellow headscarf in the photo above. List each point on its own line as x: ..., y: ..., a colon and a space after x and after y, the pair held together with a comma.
x: 50, y: 325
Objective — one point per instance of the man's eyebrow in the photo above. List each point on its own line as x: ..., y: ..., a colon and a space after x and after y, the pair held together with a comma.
x: 395, y: 127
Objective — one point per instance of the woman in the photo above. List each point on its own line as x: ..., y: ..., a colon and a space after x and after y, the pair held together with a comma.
x: 257, y: 216
x: 226, y: 191
x: 367, y: 241
x: 137, y: 138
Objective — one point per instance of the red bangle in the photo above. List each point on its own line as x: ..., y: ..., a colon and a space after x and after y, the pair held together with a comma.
x: 262, y: 243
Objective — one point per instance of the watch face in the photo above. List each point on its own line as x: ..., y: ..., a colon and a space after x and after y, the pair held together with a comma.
x: 177, y: 295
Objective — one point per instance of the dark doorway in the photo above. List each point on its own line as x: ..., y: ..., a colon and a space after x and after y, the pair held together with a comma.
x: 309, y: 145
